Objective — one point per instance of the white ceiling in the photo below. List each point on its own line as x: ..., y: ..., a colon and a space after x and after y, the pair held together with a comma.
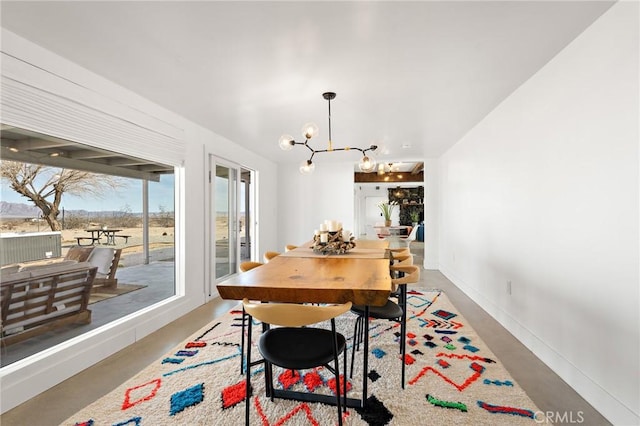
x: 419, y: 74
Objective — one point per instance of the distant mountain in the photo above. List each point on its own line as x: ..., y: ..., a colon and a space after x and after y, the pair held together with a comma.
x: 21, y: 210
x: 18, y: 210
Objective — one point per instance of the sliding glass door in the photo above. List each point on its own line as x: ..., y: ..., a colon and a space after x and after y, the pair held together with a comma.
x: 230, y: 217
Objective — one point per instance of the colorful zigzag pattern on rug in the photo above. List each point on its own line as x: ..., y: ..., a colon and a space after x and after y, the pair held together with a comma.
x: 452, y: 378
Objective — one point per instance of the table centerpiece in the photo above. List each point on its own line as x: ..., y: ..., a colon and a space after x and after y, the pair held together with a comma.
x: 332, y: 239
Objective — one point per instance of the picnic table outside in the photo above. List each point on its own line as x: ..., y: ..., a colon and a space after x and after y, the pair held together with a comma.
x: 97, y: 233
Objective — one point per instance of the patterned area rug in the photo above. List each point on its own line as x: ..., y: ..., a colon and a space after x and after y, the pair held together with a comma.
x: 452, y: 379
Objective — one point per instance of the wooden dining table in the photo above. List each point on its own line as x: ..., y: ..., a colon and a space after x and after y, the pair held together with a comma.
x: 301, y: 276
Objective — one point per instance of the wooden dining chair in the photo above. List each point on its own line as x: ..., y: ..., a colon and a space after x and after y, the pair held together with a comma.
x: 395, y: 270
x: 270, y: 255
x: 399, y: 251
x: 294, y: 345
x: 248, y: 265
x: 390, y: 311
x: 289, y: 247
x: 244, y: 267
x: 403, y: 259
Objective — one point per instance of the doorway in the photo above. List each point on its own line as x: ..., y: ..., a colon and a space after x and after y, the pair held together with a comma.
x: 231, y: 216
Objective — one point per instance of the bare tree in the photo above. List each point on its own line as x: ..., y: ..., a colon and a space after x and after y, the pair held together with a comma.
x: 44, y: 186
x: 165, y: 217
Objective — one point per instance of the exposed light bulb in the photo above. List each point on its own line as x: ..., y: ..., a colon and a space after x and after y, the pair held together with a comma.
x: 286, y: 142
x: 307, y: 167
x: 310, y: 130
x: 367, y: 165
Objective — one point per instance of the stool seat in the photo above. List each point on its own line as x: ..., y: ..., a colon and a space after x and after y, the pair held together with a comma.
x: 299, y: 348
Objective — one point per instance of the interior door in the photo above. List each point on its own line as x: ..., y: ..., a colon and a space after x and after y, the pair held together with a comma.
x: 372, y: 214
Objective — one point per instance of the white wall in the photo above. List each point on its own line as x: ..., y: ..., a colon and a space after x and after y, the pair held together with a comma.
x: 26, y: 378
x: 431, y: 213
x: 544, y: 193
x: 305, y: 201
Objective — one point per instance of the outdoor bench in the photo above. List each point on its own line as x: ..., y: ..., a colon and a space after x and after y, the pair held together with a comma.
x: 37, y: 300
x: 93, y: 240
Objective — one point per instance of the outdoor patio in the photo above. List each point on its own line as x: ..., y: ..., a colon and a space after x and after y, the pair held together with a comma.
x: 157, y: 276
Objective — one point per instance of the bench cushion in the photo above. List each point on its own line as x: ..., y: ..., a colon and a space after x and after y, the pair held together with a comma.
x: 102, y: 257
x: 52, y: 266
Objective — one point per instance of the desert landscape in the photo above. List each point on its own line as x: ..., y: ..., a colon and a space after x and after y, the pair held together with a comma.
x: 160, y: 237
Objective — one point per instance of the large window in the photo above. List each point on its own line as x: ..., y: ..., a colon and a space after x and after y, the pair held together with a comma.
x: 95, y: 199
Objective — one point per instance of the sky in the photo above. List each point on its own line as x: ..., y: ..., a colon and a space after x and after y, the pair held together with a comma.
x: 128, y: 198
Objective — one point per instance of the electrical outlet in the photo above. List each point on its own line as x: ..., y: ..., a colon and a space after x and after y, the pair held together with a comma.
x: 509, y: 287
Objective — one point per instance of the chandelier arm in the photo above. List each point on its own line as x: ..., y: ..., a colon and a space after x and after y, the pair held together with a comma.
x: 334, y: 149
x: 309, y: 148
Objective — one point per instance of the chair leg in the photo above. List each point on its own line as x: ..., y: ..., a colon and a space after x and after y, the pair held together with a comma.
x: 248, y: 377
x: 344, y: 379
x: 244, y: 317
x: 356, y: 341
x: 336, y: 368
x: 403, y: 330
x: 268, y: 370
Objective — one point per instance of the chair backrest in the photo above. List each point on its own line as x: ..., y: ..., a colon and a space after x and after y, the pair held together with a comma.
x: 290, y: 247
x: 401, y: 260
x: 411, y: 275
x: 293, y: 314
x: 412, y: 234
x: 247, y: 266
x: 399, y: 251
x: 270, y: 255
x: 106, y: 259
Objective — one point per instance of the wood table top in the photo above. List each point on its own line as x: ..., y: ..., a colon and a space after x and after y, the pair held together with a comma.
x: 313, y: 280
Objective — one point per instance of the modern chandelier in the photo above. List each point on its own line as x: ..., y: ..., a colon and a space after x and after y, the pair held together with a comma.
x: 310, y: 130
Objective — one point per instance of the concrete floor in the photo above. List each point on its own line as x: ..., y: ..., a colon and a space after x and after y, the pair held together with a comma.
x: 546, y: 389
